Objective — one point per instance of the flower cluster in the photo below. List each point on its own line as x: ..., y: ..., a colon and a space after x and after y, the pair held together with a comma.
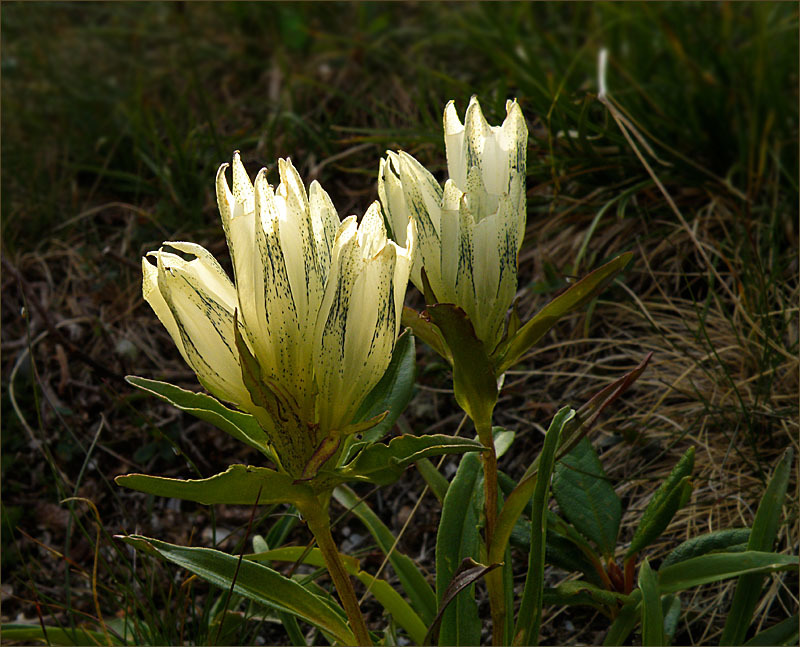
x: 309, y: 325
x: 470, y: 231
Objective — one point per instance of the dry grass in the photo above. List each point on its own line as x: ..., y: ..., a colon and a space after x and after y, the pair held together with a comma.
x: 724, y: 374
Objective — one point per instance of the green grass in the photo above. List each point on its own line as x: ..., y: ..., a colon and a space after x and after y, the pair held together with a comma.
x: 115, y: 117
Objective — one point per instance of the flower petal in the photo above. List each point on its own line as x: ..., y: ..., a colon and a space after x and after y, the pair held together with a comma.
x: 201, y: 300
x: 325, y: 223
x: 240, y: 234
x: 424, y: 200
x: 454, y: 145
x: 358, y: 321
x: 155, y: 299
x: 393, y: 201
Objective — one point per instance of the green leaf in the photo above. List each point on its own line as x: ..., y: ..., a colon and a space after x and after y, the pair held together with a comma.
x: 383, y: 592
x: 586, y: 498
x: 239, y: 484
x: 456, y: 540
x: 762, y: 537
x: 719, y: 540
x: 384, y: 464
x: 426, y: 331
x: 510, y: 352
x: 503, y: 438
x: 626, y: 620
x: 721, y: 566
x: 665, y: 502
x: 241, y: 426
x: 393, y: 392
x: 433, y: 478
x: 563, y: 553
x: 12, y: 631
x: 581, y: 592
x: 529, y: 618
x: 474, y: 377
x: 521, y: 495
x: 254, y: 581
x: 467, y: 573
x: 652, y: 614
x: 671, y: 608
x: 419, y: 592
x: 783, y: 633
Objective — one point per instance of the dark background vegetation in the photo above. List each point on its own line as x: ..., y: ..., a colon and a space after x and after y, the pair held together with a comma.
x: 115, y: 117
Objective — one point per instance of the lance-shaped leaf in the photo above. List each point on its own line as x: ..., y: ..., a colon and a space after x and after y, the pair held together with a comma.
x: 581, y: 592
x: 762, y: 536
x: 467, y: 573
x: 390, y: 599
x: 474, y: 378
x: 670, y: 496
x: 671, y: 609
x: 426, y: 331
x: 573, y: 430
x: 384, y: 464
x: 512, y: 350
x: 456, y: 540
x: 587, y: 498
x: 238, y: 485
x: 720, y: 540
x: 783, y: 633
x: 521, y: 495
x: 722, y: 566
x: 529, y: 617
x: 626, y: 620
x: 241, y: 426
x: 652, y: 615
x: 255, y: 582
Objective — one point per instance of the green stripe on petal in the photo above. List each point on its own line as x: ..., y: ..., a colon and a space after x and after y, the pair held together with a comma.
x: 205, y: 322
x: 423, y: 199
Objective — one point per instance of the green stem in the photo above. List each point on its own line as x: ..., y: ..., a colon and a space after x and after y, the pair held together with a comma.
x: 494, y: 579
x: 319, y: 523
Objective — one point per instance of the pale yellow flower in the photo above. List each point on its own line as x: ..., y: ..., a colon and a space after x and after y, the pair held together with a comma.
x: 470, y: 231
x: 318, y: 304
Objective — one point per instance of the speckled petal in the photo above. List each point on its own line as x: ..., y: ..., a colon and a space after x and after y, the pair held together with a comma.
x: 240, y: 234
x: 358, y: 322
x: 393, y: 201
x: 424, y: 200
x: 152, y: 295
x: 201, y: 300
x: 331, y: 324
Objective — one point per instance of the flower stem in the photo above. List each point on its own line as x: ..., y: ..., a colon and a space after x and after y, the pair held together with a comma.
x: 319, y: 523
x: 494, y: 579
